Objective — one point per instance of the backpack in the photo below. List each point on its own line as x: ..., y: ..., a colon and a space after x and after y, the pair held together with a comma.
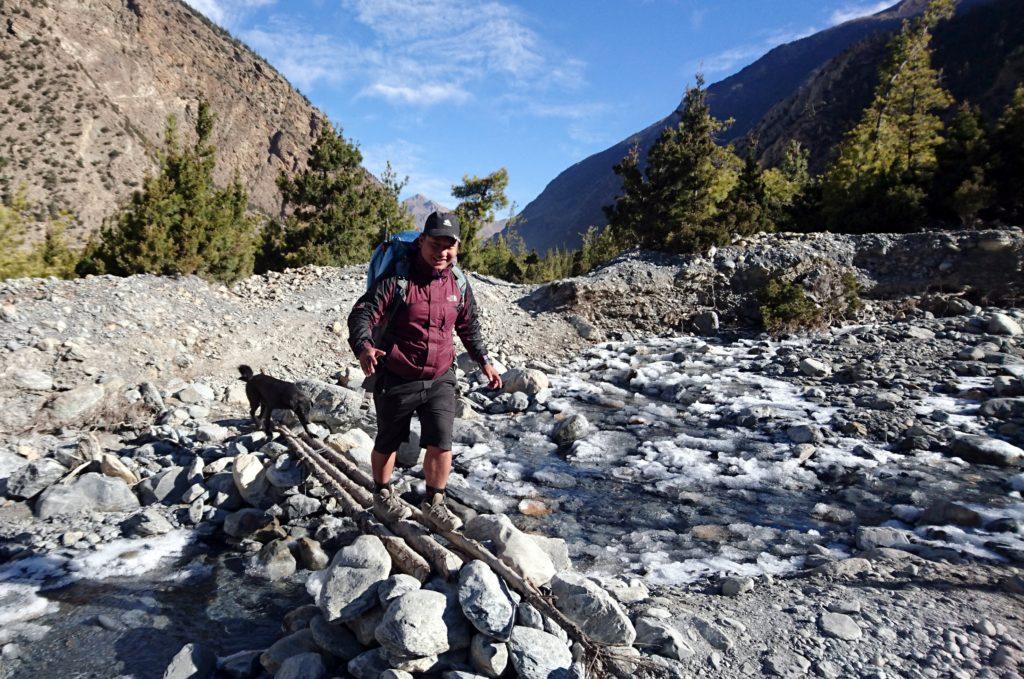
x: 391, y: 258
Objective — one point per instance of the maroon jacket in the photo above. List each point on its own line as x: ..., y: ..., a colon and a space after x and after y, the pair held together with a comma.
x: 419, y: 344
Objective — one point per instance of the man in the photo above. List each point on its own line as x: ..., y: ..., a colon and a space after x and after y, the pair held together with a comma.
x: 414, y: 308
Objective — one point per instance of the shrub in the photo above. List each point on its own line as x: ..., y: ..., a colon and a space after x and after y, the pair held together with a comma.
x: 786, y: 308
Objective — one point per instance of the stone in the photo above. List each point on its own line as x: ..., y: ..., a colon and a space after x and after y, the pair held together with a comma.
x: 302, y: 666
x: 287, y: 647
x: 557, y: 550
x: 71, y: 406
x: 241, y: 665
x: 247, y: 521
x: 944, y: 512
x: 706, y: 322
x: 112, y: 465
x: 538, y: 655
x: 839, y: 626
x: 514, y: 547
x: 335, y: 639
x: 460, y: 631
x: 554, y: 479
x: 194, y: 492
x: 196, y: 392
x: 167, y: 486
x: 413, y: 625
x: 34, y: 477
x: 812, y: 367
x: 786, y: 663
x: 488, y: 657
x: 1002, y: 324
x: 737, y: 586
x: 365, y: 626
x: 90, y: 492
x: 396, y: 586
x: 870, y: 537
x: 250, y: 479
x: 485, y: 600
x: 147, y: 523
x: 299, y: 618
x: 356, y: 445
x: 369, y: 665
x: 1003, y: 408
x: 193, y: 661
x: 311, y: 554
x: 572, y: 428
x: 212, y: 433
x: 285, y: 472
x: 658, y: 637
x: 30, y: 380
x: 525, y: 380
x: 713, y: 634
x: 299, y: 506
x: 274, y: 561
x: 985, y: 450
x: 804, y: 433
x: 350, y: 586
x: 592, y: 609
x: 333, y: 406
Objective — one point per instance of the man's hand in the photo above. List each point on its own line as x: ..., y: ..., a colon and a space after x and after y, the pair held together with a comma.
x: 368, y: 360
x: 493, y: 378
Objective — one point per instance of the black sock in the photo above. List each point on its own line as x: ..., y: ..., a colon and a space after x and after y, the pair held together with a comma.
x: 431, y: 492
x: 377, y: 487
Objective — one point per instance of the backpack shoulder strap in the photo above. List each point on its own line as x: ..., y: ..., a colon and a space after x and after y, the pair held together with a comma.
x: 463, y: 283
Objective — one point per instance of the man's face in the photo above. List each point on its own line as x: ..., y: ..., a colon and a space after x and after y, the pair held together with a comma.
x: 439, y: 252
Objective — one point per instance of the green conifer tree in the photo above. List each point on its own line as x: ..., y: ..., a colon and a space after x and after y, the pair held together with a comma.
x: 746, y: 209
x: 179, y: 222
x: 1008, y: 162
x: 337, y: 212
x: 480, y: 198
x: 885, y: 164
x: 961, y: 189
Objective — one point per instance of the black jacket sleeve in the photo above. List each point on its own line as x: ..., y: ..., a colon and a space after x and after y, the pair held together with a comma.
x: 467, y: 325
x: 368, y: 312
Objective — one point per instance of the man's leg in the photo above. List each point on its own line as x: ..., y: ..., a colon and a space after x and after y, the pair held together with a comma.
x: 437, y: 416
x: 383, y: 465
x: 437, y: 465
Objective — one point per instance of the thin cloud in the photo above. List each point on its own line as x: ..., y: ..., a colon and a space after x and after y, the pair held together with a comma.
x: 224, y: 12
x: 728, y: 60
x: 407, y: 159
x: 857, y: 10
x: 427, y: 94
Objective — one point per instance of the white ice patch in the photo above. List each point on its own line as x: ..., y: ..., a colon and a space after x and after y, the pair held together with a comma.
x: 689, y: 571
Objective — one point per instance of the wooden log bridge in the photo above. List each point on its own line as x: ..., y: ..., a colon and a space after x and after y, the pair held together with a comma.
x: 416, y: 549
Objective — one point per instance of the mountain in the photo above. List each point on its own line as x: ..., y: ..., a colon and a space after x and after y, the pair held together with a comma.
x: 87, y: 87
x: 420, y: 207
x: 572, y: 201
x: 980, y: 53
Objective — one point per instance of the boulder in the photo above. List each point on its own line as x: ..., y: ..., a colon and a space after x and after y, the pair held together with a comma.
x: 112, y: 465
x: 1002, y: 324
x: 193, y: 661
x: 250, y: 479
x: 944, y: 512
x: 658, y: 637
x: 485, y: 600
x: 147, y: 523
x: 167, y: 486
x: 285, y: 472
x: 592, y: 609
x: 333, y: 406
x: 488, y: 657
x: 812, y: 367
x: 1003, y: 408
x: 287, y: 647
x: 985, y: 450
x: 413, y: 625
x: 34, y: 477
x: 572, y: 428
x: 350, y: 584
x: 460, y: 632
x: 311, y: 554
x: 839, y: 626
x: 356, y: 445
x: 274, y: 561
x: 247, y: 521
x: 369, y: 665
x: 538, y: 655
x: 73, y: 405
x: 525, y: 380
x: 302, y: 666
x: 514, y: 547
x: 90, y: 492
x: 335, y: 639
x: 396, y: 586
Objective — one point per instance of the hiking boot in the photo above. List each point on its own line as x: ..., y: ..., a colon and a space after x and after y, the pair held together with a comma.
x: 437, y: 514
x: 388, y: 507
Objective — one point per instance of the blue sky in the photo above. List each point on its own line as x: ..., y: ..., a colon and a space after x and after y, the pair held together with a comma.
x: 443, y: 88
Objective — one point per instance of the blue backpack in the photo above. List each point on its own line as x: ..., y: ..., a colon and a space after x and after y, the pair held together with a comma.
x: 391, y: 258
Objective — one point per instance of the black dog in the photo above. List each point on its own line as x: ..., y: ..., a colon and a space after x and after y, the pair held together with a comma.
x: 270, y: 393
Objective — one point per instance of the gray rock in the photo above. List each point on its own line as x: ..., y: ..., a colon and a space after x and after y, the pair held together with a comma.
x: 812, y: 367
x: 538, y: 655
x: 168, y: 486
x: 241, y: 665
x: 658, y: 637
x: 554, y: 478
x: 870, y: 537
x: 147, y: 523
x: 30, y: 380
x: 151, y: 396
x: 460, y: 632
x: 195, y: 393
x: 944, y: 512
x: 311, y: 554
x: 985, y: 450
x: 274, y: 561
x: 804, y: 433
x: 528, y: 616
x: 706, y: 322
x: 839, y: 626
x: 713, y: 634
x: 34, y: 477
x: 1001, y: 324
x: 369, y: 665
x: 71, y: 406
x: 247, y: 521
x: 285, y: 473
x: 287, y: 647
x: 193, y: 661
x: 413, y: 625
x: 737, y: 586
x: 195, y: 492
x: 250, y: 479
x: 786, y: 663
x: 527, y: 381
x: 335, y: 639
x: 333, y: 406
x: 299, y: 506
x: 1003, y: 408
x: 396, y: 586
x: 570, y: 429
x: 90, y: 492
x: 350, y: 587
x: 485, y: 600
x: 489, y: 657
x: 212, y: 433
x: 593, y: 609
x: 365, y: 626
x: 302, y: 666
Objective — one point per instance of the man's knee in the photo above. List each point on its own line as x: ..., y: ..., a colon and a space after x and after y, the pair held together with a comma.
x: 383, y: 454
x: 436, y: 451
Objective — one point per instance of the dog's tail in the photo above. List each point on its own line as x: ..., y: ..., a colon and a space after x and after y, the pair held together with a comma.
x: 246, y: 372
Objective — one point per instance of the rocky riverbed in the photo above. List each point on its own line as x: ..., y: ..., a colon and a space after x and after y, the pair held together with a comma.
x: 845, y: 504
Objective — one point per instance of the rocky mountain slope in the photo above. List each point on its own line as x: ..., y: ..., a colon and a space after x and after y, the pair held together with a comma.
x: 572, y: 201
x: 842, y: 504
x: 87, y: 88
x: 420, y: 207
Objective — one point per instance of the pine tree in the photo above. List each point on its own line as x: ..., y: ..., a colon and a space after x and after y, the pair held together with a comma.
x: 1008, y: 164
x: 672, y: 204
x: 179, y: 222
x: 885, y: 164
x: 961, y: 189
x: 13, y: 216
x: 480, y: 198
x: 338, y: 212
x: 746, y: 209
x: 788, y: 188
x: 52, y: 256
